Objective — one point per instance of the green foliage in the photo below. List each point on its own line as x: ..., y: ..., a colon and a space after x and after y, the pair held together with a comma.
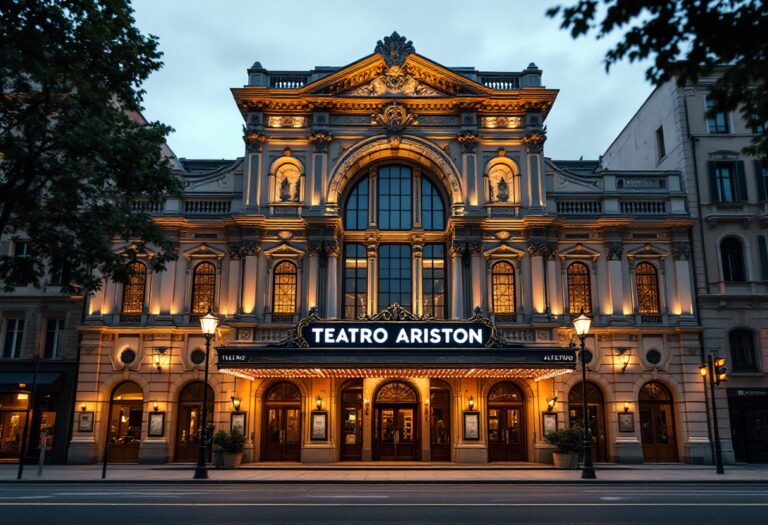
x: 230, y: 442
x: 689, y: 40
x: 566, y: 440
x: 75, y: 151
x: 219, y: 438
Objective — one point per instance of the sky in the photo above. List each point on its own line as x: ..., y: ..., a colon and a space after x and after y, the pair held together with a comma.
x: 209, y: 45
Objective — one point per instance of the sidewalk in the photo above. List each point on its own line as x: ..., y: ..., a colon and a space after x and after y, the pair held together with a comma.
x: 389, y: 473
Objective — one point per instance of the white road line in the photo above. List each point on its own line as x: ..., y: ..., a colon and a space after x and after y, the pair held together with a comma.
x: 24, y: 497
x: 297, y: 504
x: 345, y: 496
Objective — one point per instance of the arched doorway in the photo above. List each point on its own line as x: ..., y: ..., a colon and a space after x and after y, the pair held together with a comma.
x: 396, y: 423
x: 439, y: 420
x: 657, y: 423
x: 281, y: 426
x: 595, y: 414
x: 126, y: 411
x: 351, y: 407
x: 506, y: 423
x: 189, y: 427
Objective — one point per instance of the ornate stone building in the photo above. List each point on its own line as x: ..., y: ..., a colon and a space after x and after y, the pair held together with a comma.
x: 397, y: 187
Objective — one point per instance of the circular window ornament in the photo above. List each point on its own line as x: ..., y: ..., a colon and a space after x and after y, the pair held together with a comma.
x: 197, y: 356
x: 588, y: 356
x: 127, y: 356
x: 653, y: 357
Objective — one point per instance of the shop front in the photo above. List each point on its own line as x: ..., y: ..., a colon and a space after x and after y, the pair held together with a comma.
x: 394, y: 387
x: 748, y: 408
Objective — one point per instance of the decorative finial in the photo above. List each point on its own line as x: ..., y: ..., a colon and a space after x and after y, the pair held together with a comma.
x: 395, y: 49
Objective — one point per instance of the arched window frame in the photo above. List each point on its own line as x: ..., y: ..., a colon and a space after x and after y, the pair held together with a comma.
x: 280, y: 307
x: 194, y: 256
x: 733, y: 262
x: 659, y: 294
x: 198, y: 288
x: 573, y: 288
x: 495, y: 169
x: 291, y: 167
x: 133, y: 302
x: 744, y: 355
x: 515, y: 285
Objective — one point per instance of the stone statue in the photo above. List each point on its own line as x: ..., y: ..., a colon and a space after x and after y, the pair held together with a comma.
x: 503, y: 190
x: 285, y: 190
x: 297, y: 193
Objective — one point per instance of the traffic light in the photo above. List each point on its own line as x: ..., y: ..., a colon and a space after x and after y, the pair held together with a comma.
x: 721, y: 375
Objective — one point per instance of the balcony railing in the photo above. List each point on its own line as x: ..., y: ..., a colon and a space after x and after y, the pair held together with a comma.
x: 501, y: 82
x: 287, y: 81
x: 643, y: 207
x: 579, y: 207
x: 147, y: 206
x: 203, y: 207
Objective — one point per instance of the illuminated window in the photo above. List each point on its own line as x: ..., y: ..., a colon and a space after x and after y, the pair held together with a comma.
x: 732, y: 258
x: 433, y: 280
x: 579, y: 290
x: 133, y: 290
x: 394, y: 275
x: 203, y: 288
x: 503, y: 285
x: 284, y: 288
x: 742, y: 344
x: 355, y: 281
x: 356, y: 213
x: 647, y: 289
x: 395, y: 198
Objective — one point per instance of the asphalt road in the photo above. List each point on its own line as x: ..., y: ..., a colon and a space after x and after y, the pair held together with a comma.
x: 183, y: 504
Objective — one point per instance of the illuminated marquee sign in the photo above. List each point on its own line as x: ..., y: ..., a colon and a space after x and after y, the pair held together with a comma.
x: 421, y: 334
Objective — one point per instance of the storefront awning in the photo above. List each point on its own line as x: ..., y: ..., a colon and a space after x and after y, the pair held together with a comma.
x: 10, y: 381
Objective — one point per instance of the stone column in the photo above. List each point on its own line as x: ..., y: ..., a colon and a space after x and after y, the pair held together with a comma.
x: 266, y: 283
x: 332, y: 251
x: 373, y: 289
x: 468, y: 142
x: 319, y: 184
x: 538, y: 299
x: 554, y: 297
x: 457, y: 286
x: 233, y: 281
x: 417, y: 270
x: 681, y: 255
x: 253, y: 180
x: 251, y: 282
x: 535, y: 146
x: 613, y: 253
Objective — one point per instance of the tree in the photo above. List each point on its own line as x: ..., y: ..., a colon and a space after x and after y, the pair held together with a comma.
x: 75, y: 153
x: 688, y: 40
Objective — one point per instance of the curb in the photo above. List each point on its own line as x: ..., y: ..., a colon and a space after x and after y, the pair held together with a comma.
x: 381, y: 482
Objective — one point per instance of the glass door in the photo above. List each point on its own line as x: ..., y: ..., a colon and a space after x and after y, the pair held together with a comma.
x: 396, y: 433
x: 505, y: 434
x: 282, y: 436
x: 657, y: 432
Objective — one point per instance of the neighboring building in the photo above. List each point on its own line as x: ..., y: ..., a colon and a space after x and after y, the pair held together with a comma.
x: 37, y: 323
x: 727, y: 196
x: 396, y: 192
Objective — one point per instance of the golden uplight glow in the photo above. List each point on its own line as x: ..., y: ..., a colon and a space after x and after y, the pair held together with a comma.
x: 537, y: 374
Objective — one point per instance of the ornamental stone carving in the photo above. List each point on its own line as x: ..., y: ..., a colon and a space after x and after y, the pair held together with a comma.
x: 614, y: 251
x: 395, y: 81
x: 395, y: 49
x: 457, y: 249
x: 332, y: 248
x: 681, y: 252
x: 254, y: 140
x: 535, y: 142
x: 468, y: 141
x: 500, y: 122
x: 395, y: 118
x: 320, y: 140
x: 286, y: 122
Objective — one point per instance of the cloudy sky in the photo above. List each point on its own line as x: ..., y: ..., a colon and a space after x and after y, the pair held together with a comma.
x: 208, y: 46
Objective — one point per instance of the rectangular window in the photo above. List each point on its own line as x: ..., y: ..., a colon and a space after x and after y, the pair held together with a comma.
x: 14, y: 331
x: 22, y: 249
x: 54, y: 338
x: 718, y: 124
x: 661, y: 150
x: 394, y: 275
x: 761, y: 176
x: 763, y: 246
x: 727, y: 182
x: 395, y: 199
x: 355, y: 281
x: 433, y: 280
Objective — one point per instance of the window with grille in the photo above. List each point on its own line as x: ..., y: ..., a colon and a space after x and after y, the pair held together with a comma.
x: 579, y: 289
x: 647, y: 289
x: 395, y: 198
x: 433, y: 280
x: 203, y: 288
x: 503, y: 286
x: 54, y: 338
x: 742, y: 344
x: 14, y: 332
x: 133, y: 290
x: 356, y: 212
x: 432, y: 209
x: 394, y: 275
x: 355, y: 281
x: 284, y: 298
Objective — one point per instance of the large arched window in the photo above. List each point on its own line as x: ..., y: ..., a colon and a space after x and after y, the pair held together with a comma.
x: 134, y: 290
x: 433, y: 280
x: 732, y: 258
x: 203, y: 288
x: 579, y: 289
x: 503, y: 286
x: 647, y: 289
x: 395, y: 198
x: 356, y: 212
x: 355, y: 281
x: 742, y: 344
x: 432, y: 209
x: 284, y: 288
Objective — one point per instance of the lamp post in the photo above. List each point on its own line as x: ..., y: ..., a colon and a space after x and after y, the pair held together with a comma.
x: 582, y: 324
x: 208, y: 323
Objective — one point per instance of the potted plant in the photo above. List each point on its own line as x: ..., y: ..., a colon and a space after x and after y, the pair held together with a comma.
x: 219, y: 438
x: 234, y: 443
x: 567, y: 443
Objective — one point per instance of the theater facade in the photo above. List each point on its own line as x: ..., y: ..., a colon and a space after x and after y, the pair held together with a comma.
x: 396, y: 264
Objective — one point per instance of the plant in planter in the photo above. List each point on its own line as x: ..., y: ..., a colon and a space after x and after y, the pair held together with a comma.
x: 567, y: 443
x: 219, y: 438
x: 233, y: 445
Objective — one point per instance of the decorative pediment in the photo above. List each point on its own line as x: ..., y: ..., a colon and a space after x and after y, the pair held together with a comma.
x: 648, y: 251
x: 202, y: 251
x: 579, y: 251
x: 284, y: 250
x: 139, y: 251
x: 503, y: 251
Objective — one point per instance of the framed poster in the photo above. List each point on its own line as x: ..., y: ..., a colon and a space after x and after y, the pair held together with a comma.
x: 156, y: 424
x: 85, y: 421
x: 471, y: 425
x: 237, y: 421
x: 626, y: 421
x: 548, y: 422
x: 319, y: 426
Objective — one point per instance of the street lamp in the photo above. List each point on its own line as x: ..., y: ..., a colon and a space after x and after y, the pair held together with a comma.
x: 582, y: 324
x: 208, y: 323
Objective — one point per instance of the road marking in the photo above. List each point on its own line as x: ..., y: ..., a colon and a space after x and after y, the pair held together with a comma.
x: 297, y: 504
x: 344, y: 496
x: 24, y: 497
x: 611, y: 498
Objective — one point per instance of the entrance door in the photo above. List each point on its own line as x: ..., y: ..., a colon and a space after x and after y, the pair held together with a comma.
x: 190, y: 426
x: 595, y: 412
x: 281, y: 427
x: 396, y: 433
x: 749, y: 424
x: 125, y: 418
x: 506, y: 426
x: 440, y: 422
x: 352, y: 421
x: 657, y: 424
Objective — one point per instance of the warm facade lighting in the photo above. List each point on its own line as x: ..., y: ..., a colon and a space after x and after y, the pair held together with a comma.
x: 551, y: 403
x: 82, y: 407
x: 208, y: 323
x: 471, y: 403
x: 235, y: 402
x: 582, y: 324
x: 155, y: 406
x: 535, y: 374
x: 626, y: 406
x: 319, y: 402
x: 22, y: 396
x: 156, y: 362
